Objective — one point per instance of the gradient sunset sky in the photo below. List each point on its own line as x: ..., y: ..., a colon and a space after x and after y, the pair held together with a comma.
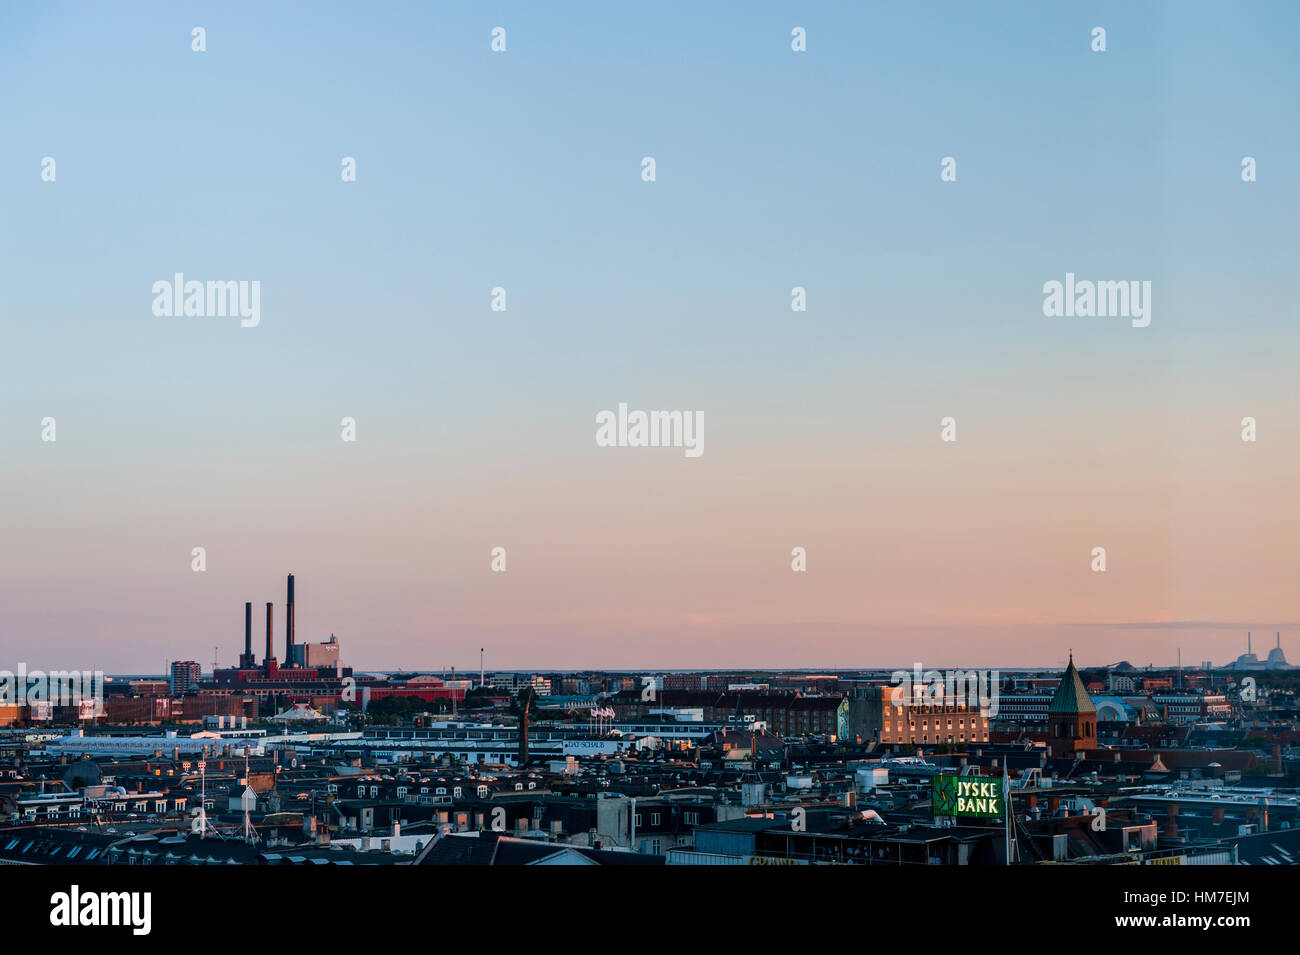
x: 476, y: 428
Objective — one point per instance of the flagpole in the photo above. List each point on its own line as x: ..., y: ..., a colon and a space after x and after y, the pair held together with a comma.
x: 1006, y: 809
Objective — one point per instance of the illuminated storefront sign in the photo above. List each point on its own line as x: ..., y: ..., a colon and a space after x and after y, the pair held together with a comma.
x: 967, y: 796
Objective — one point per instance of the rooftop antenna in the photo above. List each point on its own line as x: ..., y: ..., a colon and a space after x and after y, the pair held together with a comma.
x: 247, y: 783
x: 1008, y: 812
x: 203, y: 799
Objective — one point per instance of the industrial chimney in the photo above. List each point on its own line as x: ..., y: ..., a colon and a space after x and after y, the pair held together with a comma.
x: 246, y: 661
x: 269, y: 663
x: 288, y: 628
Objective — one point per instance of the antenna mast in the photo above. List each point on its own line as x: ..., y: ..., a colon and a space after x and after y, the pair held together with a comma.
x: 203, y: 798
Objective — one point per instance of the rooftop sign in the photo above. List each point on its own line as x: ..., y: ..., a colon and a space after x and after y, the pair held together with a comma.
x: 966, y: 796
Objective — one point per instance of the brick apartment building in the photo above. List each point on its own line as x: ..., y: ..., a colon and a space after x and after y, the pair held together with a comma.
x: 888, y: 715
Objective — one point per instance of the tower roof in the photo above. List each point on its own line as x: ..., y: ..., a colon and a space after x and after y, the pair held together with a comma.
x: 1071, y: 696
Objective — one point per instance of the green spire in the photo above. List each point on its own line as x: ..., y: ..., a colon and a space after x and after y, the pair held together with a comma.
x: 1071, y: 696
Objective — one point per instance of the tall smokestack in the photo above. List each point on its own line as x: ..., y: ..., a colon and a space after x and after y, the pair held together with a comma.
x: 247, y: 660
x: 288, y: 627
x: 270, y: 634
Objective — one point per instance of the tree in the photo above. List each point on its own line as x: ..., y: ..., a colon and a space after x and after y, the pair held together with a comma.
x: 393, y: 710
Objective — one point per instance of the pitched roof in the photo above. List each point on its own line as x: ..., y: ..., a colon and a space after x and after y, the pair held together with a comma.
x: 1071, y: 696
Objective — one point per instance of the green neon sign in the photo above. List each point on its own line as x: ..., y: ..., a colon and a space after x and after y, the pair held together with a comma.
x: 966, y: 796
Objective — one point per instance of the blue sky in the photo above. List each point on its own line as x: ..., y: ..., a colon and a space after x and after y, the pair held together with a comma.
x: 521, y: 169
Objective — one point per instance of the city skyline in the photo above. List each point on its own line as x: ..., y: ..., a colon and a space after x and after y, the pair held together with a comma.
x: 1263, y: 640
x: 648, y: 436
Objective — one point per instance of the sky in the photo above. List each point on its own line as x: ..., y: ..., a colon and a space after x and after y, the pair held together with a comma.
x: 475, y: 428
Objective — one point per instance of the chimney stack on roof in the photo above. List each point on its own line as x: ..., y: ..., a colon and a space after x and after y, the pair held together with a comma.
x: 246, y: 661
x: 270, y: 635
x: 288, y: 627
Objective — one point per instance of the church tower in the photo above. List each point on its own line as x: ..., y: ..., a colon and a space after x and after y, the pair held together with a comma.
x: 1072, y: 716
